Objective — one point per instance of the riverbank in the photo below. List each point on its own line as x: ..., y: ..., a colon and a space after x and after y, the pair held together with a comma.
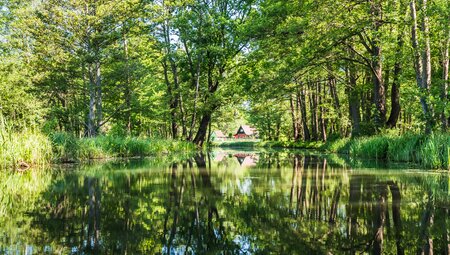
x: 428, y: 151
x: 30, y: 148
x: 24, y: 149
x: 67, y: 148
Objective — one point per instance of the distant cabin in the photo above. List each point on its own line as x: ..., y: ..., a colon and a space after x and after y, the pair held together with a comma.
x: 218, y: 135
x: 245, y: 131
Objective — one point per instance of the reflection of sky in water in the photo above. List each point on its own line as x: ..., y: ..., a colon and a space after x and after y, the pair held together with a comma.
x: 245, y: 186
x: 244, y: 243
x: 175, y: 250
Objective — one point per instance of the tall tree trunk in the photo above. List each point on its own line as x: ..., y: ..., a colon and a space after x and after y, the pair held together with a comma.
x: 294, y: 119
x: 301, y: 98
x: 444, y: 89
x: 170, y: 96
x: 173, y: 116
x: 99, y: 106
x: 173, y: 92
x: 426, y: 56
x: 366, y: 101
x: 353, y: 100
x: 313, y: 108
x: 322, y: 110
x: 213, y: 85
x: 395, y: 89
x: 127, y: 92
x: 202, y: 129
x: 174, y: 100
x: 196, y: 82
x: 379, y: 90
x: 209, y: 133
x: 335, y: 97
x: 269, y: 128
x: 277, y: 130
x: 377, y: 66
x: 183, y: 118
x: 422, y: 64
x: 91, y: 130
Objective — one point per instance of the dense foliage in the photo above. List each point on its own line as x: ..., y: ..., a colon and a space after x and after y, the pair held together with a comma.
x: 296, y: 70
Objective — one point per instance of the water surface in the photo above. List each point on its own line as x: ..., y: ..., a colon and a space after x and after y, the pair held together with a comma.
x: 225, y: 202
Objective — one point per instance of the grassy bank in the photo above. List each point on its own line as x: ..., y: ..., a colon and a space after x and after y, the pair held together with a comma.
x: 432, y: 151
x: 67, y: 148
x: 31, y: 148
x: 22, y: 148
x: 429, y: 151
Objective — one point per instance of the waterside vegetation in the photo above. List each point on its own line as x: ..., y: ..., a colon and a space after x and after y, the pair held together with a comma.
x: 22, y: 150
x: 428, y: 151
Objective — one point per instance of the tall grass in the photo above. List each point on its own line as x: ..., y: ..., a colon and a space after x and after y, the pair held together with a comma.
x: 371, y: 147
x: 337, y: 145
x: 430, y: 151
x: 404, y: 148
x: 31, y: 148
x: 67, y: 148
x: 28, y: 146
x: 435, y: 151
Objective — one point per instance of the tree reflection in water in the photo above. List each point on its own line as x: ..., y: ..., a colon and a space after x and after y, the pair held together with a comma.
x: 275, y: 203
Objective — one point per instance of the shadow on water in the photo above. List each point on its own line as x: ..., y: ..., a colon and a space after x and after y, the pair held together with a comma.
x: 226, y: 202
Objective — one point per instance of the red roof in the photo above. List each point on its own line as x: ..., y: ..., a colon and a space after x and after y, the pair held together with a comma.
x: 247, y: 130
x: 219, y: 134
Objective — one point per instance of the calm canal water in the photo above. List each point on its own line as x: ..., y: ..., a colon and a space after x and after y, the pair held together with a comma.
x: 226, y: 202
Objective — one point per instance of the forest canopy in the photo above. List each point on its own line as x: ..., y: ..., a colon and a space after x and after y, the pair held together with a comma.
x: 294, y: 69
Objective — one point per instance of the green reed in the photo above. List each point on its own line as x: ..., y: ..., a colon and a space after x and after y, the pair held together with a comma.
x: 68, y: 148
x: 18, y: 148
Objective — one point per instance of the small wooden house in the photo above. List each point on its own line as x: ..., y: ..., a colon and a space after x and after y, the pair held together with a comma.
x: 218, y: 135
x: 245, y: 131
